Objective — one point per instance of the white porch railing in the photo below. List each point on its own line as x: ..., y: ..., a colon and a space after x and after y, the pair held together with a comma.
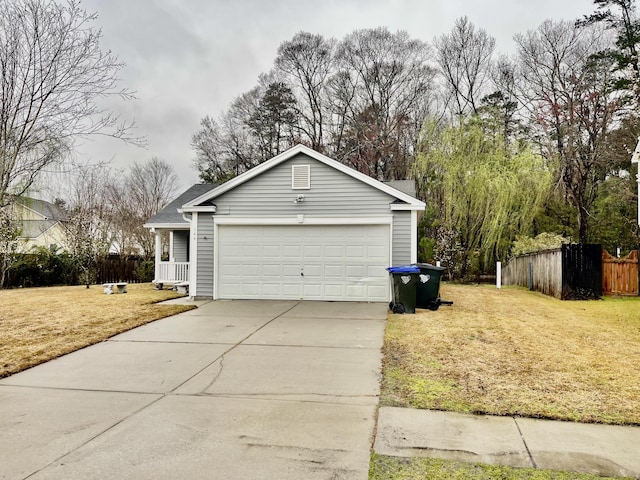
x: 172, y: 272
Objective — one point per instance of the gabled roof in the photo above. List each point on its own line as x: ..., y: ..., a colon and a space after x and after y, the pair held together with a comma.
x: 411, y: 202
x: 47, y: 210
x: 169, y: 217
x: 32, y: 229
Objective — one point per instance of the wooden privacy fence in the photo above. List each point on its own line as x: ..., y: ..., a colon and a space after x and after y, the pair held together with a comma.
x: 569, y: 272
x: 117, y: 268
x: 620, y: 275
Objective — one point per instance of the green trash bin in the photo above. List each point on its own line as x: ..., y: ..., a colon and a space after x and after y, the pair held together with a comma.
x: 428, y: 287
x: 404, y: 280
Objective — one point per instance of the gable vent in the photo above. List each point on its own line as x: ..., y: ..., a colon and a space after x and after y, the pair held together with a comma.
x: 301, y: 177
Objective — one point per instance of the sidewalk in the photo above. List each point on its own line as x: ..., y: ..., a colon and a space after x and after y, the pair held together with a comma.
x: 518, y: 442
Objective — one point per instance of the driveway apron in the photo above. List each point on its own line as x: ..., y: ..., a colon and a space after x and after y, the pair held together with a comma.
x: 231, y: 390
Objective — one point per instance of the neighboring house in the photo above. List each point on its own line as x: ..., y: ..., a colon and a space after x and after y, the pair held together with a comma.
x: 41, y: 223
x: 299, y: 226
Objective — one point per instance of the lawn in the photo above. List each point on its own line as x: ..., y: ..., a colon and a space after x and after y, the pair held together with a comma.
x: 38, y: 324
x: 515, y: 352
x: 391, y: 468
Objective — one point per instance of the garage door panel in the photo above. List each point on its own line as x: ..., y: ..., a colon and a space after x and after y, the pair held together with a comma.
x: 291, y: 270
x: 271, y: 290
x: 311, y: 271
x: 355, y: 271
x: 272, y: 271
x: 250, y: 289
x: 355, y: 252
x: 355, y: 290
x: 312, y: 251
x: 333, y: 251
x: 377, y: 251
x: 333, y: 271
x: 339, y: 262
x: 271, y: 251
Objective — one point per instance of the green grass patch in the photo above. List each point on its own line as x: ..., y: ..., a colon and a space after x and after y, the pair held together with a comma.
x: 393, y: 468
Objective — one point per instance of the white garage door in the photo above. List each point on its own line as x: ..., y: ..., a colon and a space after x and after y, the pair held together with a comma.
x: 310, y: 262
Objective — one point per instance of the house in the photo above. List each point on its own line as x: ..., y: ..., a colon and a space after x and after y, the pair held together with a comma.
x: 298, y: 226
x: 41, y: 223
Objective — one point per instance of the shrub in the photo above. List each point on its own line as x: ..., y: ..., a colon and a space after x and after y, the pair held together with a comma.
x: 145, y: 270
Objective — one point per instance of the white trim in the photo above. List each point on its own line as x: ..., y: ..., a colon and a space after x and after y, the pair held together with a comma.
x: 171, y: 257
x: 414, y: 237
x: 193, y: 256
x: 216, y: 263
x: 295, y: 220
x: 167, y: 226
x: 405, y: 206
x: 201, y: 208
x: 286, y: 155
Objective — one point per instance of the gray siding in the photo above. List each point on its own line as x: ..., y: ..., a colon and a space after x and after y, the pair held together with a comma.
x: 204, y: 278
x: 332, y: 194
x: 181, y: 245
x: 401, y: 237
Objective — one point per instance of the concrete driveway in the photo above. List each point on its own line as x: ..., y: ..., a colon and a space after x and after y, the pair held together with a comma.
x: 231, y: 390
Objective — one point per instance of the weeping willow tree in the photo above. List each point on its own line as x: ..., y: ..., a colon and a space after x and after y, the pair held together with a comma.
x: 483, y: 192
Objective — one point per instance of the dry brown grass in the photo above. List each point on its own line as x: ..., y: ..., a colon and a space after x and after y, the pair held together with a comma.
x: 38, y: 324
x: 514, y: 352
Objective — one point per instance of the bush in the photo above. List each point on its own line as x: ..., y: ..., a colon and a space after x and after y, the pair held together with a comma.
x: 145, y: 270
x: 44, y: 267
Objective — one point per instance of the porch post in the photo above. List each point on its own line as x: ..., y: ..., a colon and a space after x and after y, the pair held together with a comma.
x: 158, y: 252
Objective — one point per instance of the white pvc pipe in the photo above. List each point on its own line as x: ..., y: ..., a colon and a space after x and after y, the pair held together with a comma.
x: 498, y: 275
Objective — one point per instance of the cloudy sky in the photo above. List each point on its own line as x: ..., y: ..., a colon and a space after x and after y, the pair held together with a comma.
x: 190, y: 58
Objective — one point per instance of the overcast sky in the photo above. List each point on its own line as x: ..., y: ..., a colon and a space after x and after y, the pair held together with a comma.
x: 191, y: 58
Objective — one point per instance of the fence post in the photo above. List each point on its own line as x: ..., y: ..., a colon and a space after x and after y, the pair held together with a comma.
x: 498, y: 275
x: 530, y: 276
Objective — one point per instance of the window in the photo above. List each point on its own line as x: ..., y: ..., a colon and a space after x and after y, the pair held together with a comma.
x: 301, y: 177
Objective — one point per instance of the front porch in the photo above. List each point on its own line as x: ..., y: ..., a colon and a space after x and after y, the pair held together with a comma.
x: 171, y: 272
x: 174, y: 270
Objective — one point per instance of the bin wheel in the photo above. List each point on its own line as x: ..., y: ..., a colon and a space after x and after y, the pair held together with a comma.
x: 434, y: 305
x: 398, y: 308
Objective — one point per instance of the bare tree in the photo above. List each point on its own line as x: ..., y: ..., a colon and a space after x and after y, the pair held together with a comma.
x: 52, y: 72
x: 391, y: 81
x: 572, y: 106
x: 307, y: 60
x: 148, y: 188
x: 89, y: 233
x: 464, y: 58
x: 151, y: 185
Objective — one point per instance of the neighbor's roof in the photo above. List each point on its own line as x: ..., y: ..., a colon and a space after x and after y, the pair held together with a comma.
x: 169, y: 217
x: 410, y: 201
x: 48, y: 210
x: 35, y: 228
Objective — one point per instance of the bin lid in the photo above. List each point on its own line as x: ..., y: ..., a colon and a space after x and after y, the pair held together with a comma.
x: 404, y: 269
x: 428, y: 266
